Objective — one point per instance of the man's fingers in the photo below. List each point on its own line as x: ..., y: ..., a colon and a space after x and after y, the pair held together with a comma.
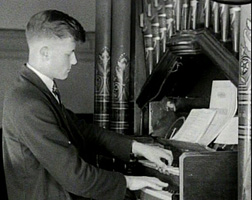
x: 161, y: 164
x: 160, y: 183
x: 169, y: 156
x: 140, y: 182
x: 155, y: 187
x: 166, y: 155
x: 169, y: 152
x: 156, y: 184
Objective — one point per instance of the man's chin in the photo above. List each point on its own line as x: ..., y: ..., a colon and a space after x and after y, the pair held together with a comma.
x: 62, y: 78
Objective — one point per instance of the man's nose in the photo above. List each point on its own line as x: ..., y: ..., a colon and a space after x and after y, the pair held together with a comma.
x: 74, y: 59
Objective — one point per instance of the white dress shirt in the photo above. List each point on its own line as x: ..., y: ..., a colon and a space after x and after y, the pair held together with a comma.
x: 46, y: 80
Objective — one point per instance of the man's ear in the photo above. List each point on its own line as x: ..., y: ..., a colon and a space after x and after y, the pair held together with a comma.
x: 44, y: 52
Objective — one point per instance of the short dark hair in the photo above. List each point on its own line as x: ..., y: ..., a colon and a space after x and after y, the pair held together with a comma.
x: 53, y: 23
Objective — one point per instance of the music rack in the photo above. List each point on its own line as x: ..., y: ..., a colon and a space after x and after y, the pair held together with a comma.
x: 191, y: 42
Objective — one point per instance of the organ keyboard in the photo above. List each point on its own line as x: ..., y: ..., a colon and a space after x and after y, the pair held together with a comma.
x: 196, y: 173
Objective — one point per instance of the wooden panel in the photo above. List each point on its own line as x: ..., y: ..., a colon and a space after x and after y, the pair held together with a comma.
x: 208, y: 175
x: 13, y: 46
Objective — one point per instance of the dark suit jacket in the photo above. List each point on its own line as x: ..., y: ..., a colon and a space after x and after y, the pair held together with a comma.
x: 44, y: 148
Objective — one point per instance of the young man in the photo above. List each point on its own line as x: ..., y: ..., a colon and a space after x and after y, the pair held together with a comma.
x: 44, y: 145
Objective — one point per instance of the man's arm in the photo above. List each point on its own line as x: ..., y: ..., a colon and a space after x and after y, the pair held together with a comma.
x: 51, y: 147
x: 122, y: 146
x: 104, y: 141
x: 152, y: 153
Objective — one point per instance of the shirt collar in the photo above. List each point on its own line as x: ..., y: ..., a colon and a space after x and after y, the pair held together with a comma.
x: 46, y: 80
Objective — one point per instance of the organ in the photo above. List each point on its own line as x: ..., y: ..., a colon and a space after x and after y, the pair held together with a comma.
x: 202, y: 44
x: 181, y: 47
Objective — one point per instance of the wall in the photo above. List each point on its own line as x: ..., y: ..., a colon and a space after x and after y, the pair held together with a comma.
x: 14, y: 14
x: 78, y: 90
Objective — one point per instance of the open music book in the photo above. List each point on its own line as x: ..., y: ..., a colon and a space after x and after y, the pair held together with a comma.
x: 203, y: 126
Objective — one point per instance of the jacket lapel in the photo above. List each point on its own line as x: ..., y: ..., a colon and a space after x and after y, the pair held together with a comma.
x: 71, y: 131
x: 31, y: 77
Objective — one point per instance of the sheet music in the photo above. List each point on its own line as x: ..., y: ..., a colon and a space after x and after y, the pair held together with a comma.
x: 229, y: 135
x: 195, y: 125
x: 224, y: 101
x: 202, y: 126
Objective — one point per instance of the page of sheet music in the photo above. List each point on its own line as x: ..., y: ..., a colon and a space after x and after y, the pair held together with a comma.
x: 195, y: 125
x: 224, y: 101
x: 229, y: 135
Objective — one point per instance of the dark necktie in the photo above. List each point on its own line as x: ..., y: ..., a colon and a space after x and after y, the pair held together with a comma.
x: 56, y: 92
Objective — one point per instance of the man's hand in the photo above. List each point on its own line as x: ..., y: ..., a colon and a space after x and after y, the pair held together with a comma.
x: 140, y: 182
x: 154, y: 154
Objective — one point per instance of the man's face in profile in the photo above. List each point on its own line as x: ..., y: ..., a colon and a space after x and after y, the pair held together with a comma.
x: 61, y: 57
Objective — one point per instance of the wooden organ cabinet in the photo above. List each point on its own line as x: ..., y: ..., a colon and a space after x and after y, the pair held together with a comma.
x: 188, y: 44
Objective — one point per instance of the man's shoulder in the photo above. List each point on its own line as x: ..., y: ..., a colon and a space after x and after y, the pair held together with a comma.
x: 23, y: 93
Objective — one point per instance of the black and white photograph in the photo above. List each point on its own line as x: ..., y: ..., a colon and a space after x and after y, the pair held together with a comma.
x: 125, y: 99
